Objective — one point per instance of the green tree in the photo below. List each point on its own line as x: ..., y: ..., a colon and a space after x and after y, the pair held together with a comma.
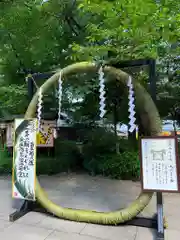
x: 33, y: 38
x: 129, y: 29
x: 36, y: 37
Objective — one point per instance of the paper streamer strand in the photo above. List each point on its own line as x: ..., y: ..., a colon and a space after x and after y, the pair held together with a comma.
x: 131, y: 109
x: 59, y: 99
x: 102, y: 93
x: 39, y: 108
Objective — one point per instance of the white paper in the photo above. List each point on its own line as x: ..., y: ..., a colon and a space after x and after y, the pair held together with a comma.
x: 24, y: 165
x: 159, y: 164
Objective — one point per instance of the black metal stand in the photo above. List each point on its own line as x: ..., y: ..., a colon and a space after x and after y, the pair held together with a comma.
x: 157, y: 221
x: 160, y: 217
x: 23, y: 208
x: 28, y: 206
x: 143, y: 222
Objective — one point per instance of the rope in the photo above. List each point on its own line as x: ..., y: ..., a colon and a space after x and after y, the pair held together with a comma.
x: 30, y: 76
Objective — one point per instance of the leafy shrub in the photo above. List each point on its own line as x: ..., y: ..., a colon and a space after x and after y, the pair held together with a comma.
x: 68, y: 154
x: 100, y: 156
x: 119, y: 166
x: 66, y: 158
x: 5, y: 161
x: 49, y: 166
x: 99, y: 142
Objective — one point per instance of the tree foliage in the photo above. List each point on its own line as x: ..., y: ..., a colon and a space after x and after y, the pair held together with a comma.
x: 39, y: 37
x: 130, y: 29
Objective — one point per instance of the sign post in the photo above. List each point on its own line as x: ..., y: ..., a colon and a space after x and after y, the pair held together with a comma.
x: 24, y: 159
x: 159, y: 171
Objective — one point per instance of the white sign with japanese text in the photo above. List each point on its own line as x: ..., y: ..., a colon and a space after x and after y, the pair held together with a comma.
x: 159, y: 165
x: 24, y: 159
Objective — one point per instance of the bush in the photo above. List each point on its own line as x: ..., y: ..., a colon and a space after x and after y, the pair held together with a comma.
x: 98, y: 142
x: 49, y: 166
x: 5, y: 161
x: 119, y: 166
x: 68, y: 155
x: 66, y: 158
x: 100, y: 156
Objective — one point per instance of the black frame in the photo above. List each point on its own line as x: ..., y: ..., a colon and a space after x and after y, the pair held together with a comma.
x: 34, y: 77
x: 151, y: 63
x: 157, y: 221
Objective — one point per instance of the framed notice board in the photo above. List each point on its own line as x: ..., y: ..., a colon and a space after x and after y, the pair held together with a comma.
x: 159, y: 164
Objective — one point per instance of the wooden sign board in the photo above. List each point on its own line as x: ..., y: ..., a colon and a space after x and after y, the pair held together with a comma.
x: 159, y: 164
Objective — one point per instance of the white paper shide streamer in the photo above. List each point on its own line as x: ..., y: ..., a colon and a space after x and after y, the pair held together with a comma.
x: 39, y: 108
x: 59, y: 99
x: 102, y: 93
x: 131, y: 109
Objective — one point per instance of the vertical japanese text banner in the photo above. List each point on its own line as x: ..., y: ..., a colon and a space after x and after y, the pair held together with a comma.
x: 24, y: 159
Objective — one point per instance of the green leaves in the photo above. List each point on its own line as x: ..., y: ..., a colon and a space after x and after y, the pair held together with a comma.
x: 132, y: 28
x: 13, y: 99
x: 21, y: 186
x: 39, y: 38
